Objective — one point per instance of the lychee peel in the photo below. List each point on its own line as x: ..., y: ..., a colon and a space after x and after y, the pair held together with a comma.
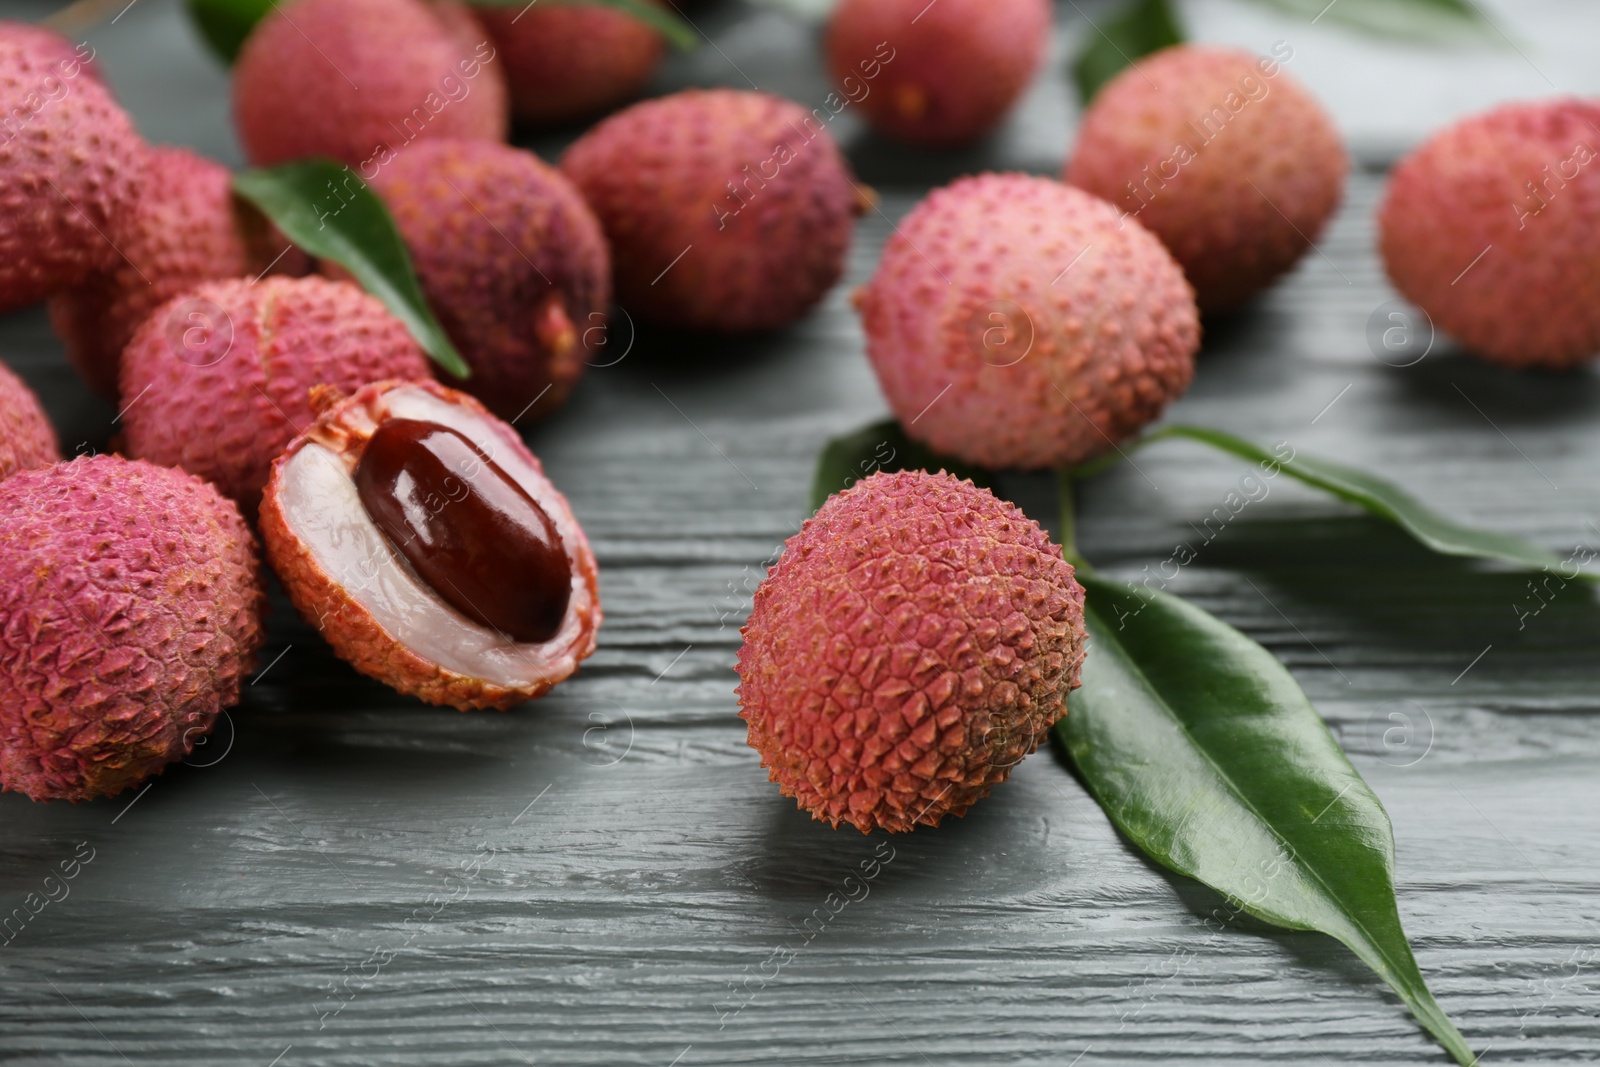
x: 368, y: 604
x: 1221, y: 154
x: 916, y: 639
x: 217, y: 380
x: 1015, y: 322
x: 27, y: 440
x: 130, y: 606
x: 1488, y: 228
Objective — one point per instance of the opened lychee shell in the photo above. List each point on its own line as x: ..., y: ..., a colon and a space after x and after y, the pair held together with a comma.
x: 359, y: 585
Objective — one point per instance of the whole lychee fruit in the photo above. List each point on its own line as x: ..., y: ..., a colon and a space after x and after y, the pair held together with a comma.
x: 725, y: 210
x: 27, y: 439
x: 916, y: 639
x: 217, y: 381
x: 936, y: 74
x: 1223, y: 156
x: 187, y: 228
x: 70, y: 166
x: 568, y: 61
x: 1018, y: 322
x: 1490, y: 227
x: 512, y: 261
x: 130, y: 608
x: 360, y: 80
x: 422, y: 539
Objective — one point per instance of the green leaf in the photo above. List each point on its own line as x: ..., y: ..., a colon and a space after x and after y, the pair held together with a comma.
x: 1205, y: 752
x: 328, y: 211
x: 671, y: 26
x: 1139, y: 28
x: 1411, y: 20
x: 224, y: 24
x: 882, y: 446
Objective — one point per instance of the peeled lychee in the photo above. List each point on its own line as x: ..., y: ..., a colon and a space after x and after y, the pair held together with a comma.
x: 1223, y: 156
x: 1018, y: 322
x: 568, y: 61
x: 187, y: 228
x: 27, y: 439
x: 916, y: 639
x: 217, y: 381
x: 422, y: 539
x: 70, y: 166
x: 360, y: 80
x: 512, y: 261
x: 725, y: 210
x: 1491, y: 227
x: 936, y: 74
x: 130, y: 608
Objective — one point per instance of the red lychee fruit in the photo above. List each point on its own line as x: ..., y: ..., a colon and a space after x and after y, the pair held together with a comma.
x: 1490, y: 228
x: 512, y: 261
x: 726, y: 211
x: 27, y: 439
x: 70, y: 59
x: 936, y: 74
x: 360, y: 80
x: 130, y: 611
x: 1018, y: 322
x: 217, y: 381
x: 1223, y: 156
x: 916, y: 639
x: 422, y: 539
x: 187, y: 228
x: 567, y: 61
x: 70, y: 166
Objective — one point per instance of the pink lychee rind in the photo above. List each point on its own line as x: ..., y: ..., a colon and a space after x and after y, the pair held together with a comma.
x: 1015, y: 322
x: 217, y: 380
x: 27, y: 440
x: 940, y: 74
x: 130, y: 612
x: 1489, y: 228
x: 1244, y: 168
x: 916, y: 639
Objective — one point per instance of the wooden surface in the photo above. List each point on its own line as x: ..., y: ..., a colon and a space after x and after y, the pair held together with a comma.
x: 629, y: 873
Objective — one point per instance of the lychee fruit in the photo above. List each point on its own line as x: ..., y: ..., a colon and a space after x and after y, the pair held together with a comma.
x: 513, y: 264
x: 70, y: 166
x: 1490, y: 228
x: 916, y: 639
x: 567, y: 61
x: 187, y: 228
x: 27, y: 439
x: 217, y: 381
x: 70, y: 59
x: 936, y: 74
x: 422, y: 539
x: 360, y: 80
x: 1223, y: 156
x: 130, y: 611
x: 1015, y: 322
x: 725, y: 210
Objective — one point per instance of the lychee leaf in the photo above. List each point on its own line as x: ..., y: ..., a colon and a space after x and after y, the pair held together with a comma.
x: 674, y: 28
x: 224, y: 24
x: 1136, y: 30
x: 882, y: 446
x: 331, y: 214
x: 1207, y: 754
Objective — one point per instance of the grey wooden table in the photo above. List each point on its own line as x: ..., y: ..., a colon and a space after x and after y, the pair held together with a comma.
x: 345, y: 877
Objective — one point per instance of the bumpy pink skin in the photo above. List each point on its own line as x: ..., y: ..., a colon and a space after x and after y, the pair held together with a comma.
x: 360, y: 80
x: 1525, y: 179
x: 52, y: 47
x: 915, y: 641
x: 224, y: 409
x: 187, y: 228
x: 351, y: 630
x: 1018, y: 322
x: 936, y: 75
x: 27, y: 440
x: 767, y: 242
x: 568, y: 61
x: 1238, y: 197
x: 130, y: 608
x: 512, y: 261
x: 70, y: 166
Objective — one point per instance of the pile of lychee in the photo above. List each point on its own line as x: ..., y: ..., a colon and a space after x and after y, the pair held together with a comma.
x: 919, y: 636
